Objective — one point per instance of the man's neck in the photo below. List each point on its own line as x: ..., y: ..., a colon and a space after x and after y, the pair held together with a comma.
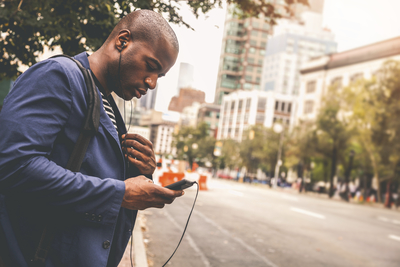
x: 99, y: 70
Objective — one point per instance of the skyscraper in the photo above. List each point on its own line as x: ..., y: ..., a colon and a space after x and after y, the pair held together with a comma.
x: 243, y: 49
x: 186, y: 76
x: 292, y: 45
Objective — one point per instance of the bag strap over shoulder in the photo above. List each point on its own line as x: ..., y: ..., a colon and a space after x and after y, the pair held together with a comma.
x: 88, y: 130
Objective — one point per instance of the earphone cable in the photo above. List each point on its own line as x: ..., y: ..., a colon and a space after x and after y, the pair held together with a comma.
x: 187, y: 223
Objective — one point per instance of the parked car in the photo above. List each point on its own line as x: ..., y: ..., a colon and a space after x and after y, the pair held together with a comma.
x: 224, y: 176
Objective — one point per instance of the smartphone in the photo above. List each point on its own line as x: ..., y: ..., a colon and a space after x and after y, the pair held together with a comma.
x: 180, y: 185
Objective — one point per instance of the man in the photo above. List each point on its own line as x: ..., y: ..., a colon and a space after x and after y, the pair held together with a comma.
x: 93, y: 210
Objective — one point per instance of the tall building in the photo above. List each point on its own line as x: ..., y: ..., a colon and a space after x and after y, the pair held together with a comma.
x: 186, y: 76
x: 243, y: 49
x: 292, y: 44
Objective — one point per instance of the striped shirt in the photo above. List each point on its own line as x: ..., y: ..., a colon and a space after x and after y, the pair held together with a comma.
x: 108, y: 109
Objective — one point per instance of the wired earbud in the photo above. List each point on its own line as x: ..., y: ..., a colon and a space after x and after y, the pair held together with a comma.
x: 123, y: 44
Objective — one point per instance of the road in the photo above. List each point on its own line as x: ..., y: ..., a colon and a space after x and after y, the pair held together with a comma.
x: 237, y: 224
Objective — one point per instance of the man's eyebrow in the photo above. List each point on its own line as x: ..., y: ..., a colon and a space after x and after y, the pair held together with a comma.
x: 159, y: 67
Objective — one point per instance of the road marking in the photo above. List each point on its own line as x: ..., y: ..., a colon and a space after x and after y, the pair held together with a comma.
x: 290, y: 198
x: 309, y: 213
x: 237, y: 239
x: 383, y: 219
x: 189, y: 239
x: 237, y: 193
x: 394, y: 237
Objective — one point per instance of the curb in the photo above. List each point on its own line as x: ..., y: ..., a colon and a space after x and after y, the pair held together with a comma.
x: 138, y: 243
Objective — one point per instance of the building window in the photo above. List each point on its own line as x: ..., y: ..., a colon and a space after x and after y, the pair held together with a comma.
x: 337, y: 82
x: 310, y: 87
x: 308, y: 106
x: 260, y: 117
x: 355, y: 77
x: 276, y: 105
x: 252, y: 50
x: 248, y: 86
x: 262, y: 102
x: 248, y: 78
x: 289, y: 109
x: 283, y: 106
x: 248, y: 102
x: 226, y: 106
x: 233, y: 106
x: 240, y: 104
x: 229, y: 81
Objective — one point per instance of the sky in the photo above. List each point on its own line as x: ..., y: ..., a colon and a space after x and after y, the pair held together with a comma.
x: 355, y: 23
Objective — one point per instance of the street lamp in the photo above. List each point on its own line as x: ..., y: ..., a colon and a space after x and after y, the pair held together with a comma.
x: 278, y: 128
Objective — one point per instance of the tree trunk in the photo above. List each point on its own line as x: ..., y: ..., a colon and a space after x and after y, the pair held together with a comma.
x: 325, y: 164
x: 374, y: 167
x: 333, y: 170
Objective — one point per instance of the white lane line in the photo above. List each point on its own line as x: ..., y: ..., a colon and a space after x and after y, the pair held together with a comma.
x: 237, y: 239
x: 290, y: 198
x: 190, y: 240
x: 237, y: 193
x: 394, y: 237
x: 309, y: 213
x: 383, y: 219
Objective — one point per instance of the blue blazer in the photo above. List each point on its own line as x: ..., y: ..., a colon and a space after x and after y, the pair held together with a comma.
x: 39, y: 124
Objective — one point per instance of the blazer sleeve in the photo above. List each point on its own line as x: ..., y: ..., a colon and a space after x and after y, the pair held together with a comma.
x: 34, y: 112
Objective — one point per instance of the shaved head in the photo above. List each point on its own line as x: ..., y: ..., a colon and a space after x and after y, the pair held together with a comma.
x: 146, y: 26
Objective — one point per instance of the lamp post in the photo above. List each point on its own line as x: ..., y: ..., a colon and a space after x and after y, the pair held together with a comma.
x: 346, y: 197
x: 278, y: 128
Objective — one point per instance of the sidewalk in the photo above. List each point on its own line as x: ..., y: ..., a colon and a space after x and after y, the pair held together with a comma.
x: 139, y: 258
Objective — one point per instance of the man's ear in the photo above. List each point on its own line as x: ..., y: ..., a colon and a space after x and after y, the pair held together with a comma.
x: 122, y: 40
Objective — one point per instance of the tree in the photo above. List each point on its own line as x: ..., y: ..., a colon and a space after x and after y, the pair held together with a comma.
x: 332, y: 122
x: 26, y: 27
x: 194, y: 144
x: 230, y: 154
x: 259, y: 149
x: 301, y: 148
x: 374, y: 109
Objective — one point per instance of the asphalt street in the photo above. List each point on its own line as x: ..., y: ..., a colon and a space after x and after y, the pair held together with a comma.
x: 236, y: 224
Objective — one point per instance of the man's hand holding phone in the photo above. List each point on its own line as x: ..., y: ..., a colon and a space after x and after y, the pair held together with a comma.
x: 139, y: 151
x: 141, y: 193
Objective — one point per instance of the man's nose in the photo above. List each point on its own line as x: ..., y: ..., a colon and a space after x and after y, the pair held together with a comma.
x: 151, y: 81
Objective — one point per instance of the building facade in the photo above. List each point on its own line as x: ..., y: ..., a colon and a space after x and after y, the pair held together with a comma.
x: 340, y: 69
x: 242, y: 109
x: 187, y: 96
x: 210, y: 114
